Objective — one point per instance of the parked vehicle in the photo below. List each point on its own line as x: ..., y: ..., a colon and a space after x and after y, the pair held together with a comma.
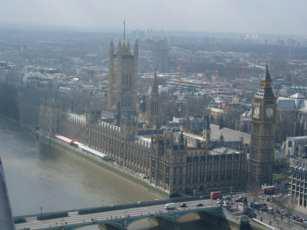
x: 227, y: 197
x: 219, y: 202
x: 259, y: 206
x: 269, y: 190
x: 240, y: 199
x: 183, y: 205
x: 298, y: 218
x: 251, y: 213
x: 170, y: 206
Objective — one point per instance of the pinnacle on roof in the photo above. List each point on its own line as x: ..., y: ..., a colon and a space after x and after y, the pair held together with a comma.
x: 124, y: 32
x: 267, y: 73
x: 136, y: 47
x: 111, y: 48
x: 155, y: 85
x: 155, y: 75
x: 265, y: 89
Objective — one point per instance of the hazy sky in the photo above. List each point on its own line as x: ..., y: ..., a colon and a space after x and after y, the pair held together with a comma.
x: 261, y: 16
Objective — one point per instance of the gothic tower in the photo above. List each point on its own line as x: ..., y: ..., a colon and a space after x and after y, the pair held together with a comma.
x: 262, y: 137
x: 122, y: 93
x: 206, y: 129
x: 154, y: 108
x: 126, y: 66
x: 112, y: 80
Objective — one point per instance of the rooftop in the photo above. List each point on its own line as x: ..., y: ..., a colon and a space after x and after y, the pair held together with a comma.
x: 230, y: 135
x: 223, y: 151
x: 286, y: 103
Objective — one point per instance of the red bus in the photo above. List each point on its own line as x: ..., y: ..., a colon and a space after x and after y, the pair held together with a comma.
x: 215, y: 195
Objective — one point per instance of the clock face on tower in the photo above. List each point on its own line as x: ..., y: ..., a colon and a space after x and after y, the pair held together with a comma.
x: 269, y: 112
x: 256, y: 113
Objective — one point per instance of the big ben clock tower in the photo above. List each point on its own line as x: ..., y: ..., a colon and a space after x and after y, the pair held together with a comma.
x: 262, y: 137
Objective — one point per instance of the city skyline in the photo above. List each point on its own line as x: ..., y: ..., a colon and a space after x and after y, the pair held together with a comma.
x: 274, y: 17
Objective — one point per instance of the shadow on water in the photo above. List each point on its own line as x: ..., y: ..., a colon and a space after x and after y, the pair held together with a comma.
x: 208, y: 220
x: 9, y: 101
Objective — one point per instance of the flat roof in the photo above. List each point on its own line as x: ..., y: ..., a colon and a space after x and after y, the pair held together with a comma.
x: 223, y: 151
x: 230, y: 135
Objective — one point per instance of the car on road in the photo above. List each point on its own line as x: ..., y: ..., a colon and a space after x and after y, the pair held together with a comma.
x: 170, y: 206
x: 219, y: 202
x: 258, y: 206
x: 298, y: 218
x: 183, y: 205
x: 251, y: 213
x: 200, y: 205
x: 264, y: 208
x: 240, y: 199
x: 227, y: 197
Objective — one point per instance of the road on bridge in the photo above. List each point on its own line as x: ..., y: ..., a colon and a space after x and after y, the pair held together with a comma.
x: 76, y: 219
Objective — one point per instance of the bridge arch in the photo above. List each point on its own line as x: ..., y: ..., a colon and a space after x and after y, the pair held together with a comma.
x: 99, y: 226
x: 188, y: 217
x: 143, y: 223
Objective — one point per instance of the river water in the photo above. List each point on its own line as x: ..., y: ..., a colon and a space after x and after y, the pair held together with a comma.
x: 57, y: 181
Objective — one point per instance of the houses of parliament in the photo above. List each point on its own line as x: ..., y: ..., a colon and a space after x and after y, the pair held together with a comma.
x: 175, y: 162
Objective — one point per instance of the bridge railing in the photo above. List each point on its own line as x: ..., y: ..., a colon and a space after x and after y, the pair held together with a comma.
x: 138, y: 204
x: 84, y: 211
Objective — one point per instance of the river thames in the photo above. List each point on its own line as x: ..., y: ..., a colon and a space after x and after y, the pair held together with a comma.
x: 40, y: 181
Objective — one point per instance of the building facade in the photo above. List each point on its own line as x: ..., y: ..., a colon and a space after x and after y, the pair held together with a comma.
x: 165, y: 159
x: 153, y: 113
x: 262, y: 136
x: 298, y: 183
x: 173, y: 161
x: 295, y: 147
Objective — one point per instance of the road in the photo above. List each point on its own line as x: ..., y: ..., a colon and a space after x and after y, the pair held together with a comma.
x: 277, y: 220
x: 75, y: 218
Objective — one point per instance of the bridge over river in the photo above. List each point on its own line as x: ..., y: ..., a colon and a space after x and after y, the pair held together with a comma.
x: 149, y: 213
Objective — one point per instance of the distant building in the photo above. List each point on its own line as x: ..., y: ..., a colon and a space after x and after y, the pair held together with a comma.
x: 9, y: 74
x: 161, y: 56
x: 297, y: 183
x: 246, y: 121
x: 286, y: 119
x: 295, y: 147
x: 217, y: 116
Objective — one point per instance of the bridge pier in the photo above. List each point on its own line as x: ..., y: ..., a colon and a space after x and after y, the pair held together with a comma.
x: 109, y: 226
x: 218, y: 220
x: 168, y: 223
